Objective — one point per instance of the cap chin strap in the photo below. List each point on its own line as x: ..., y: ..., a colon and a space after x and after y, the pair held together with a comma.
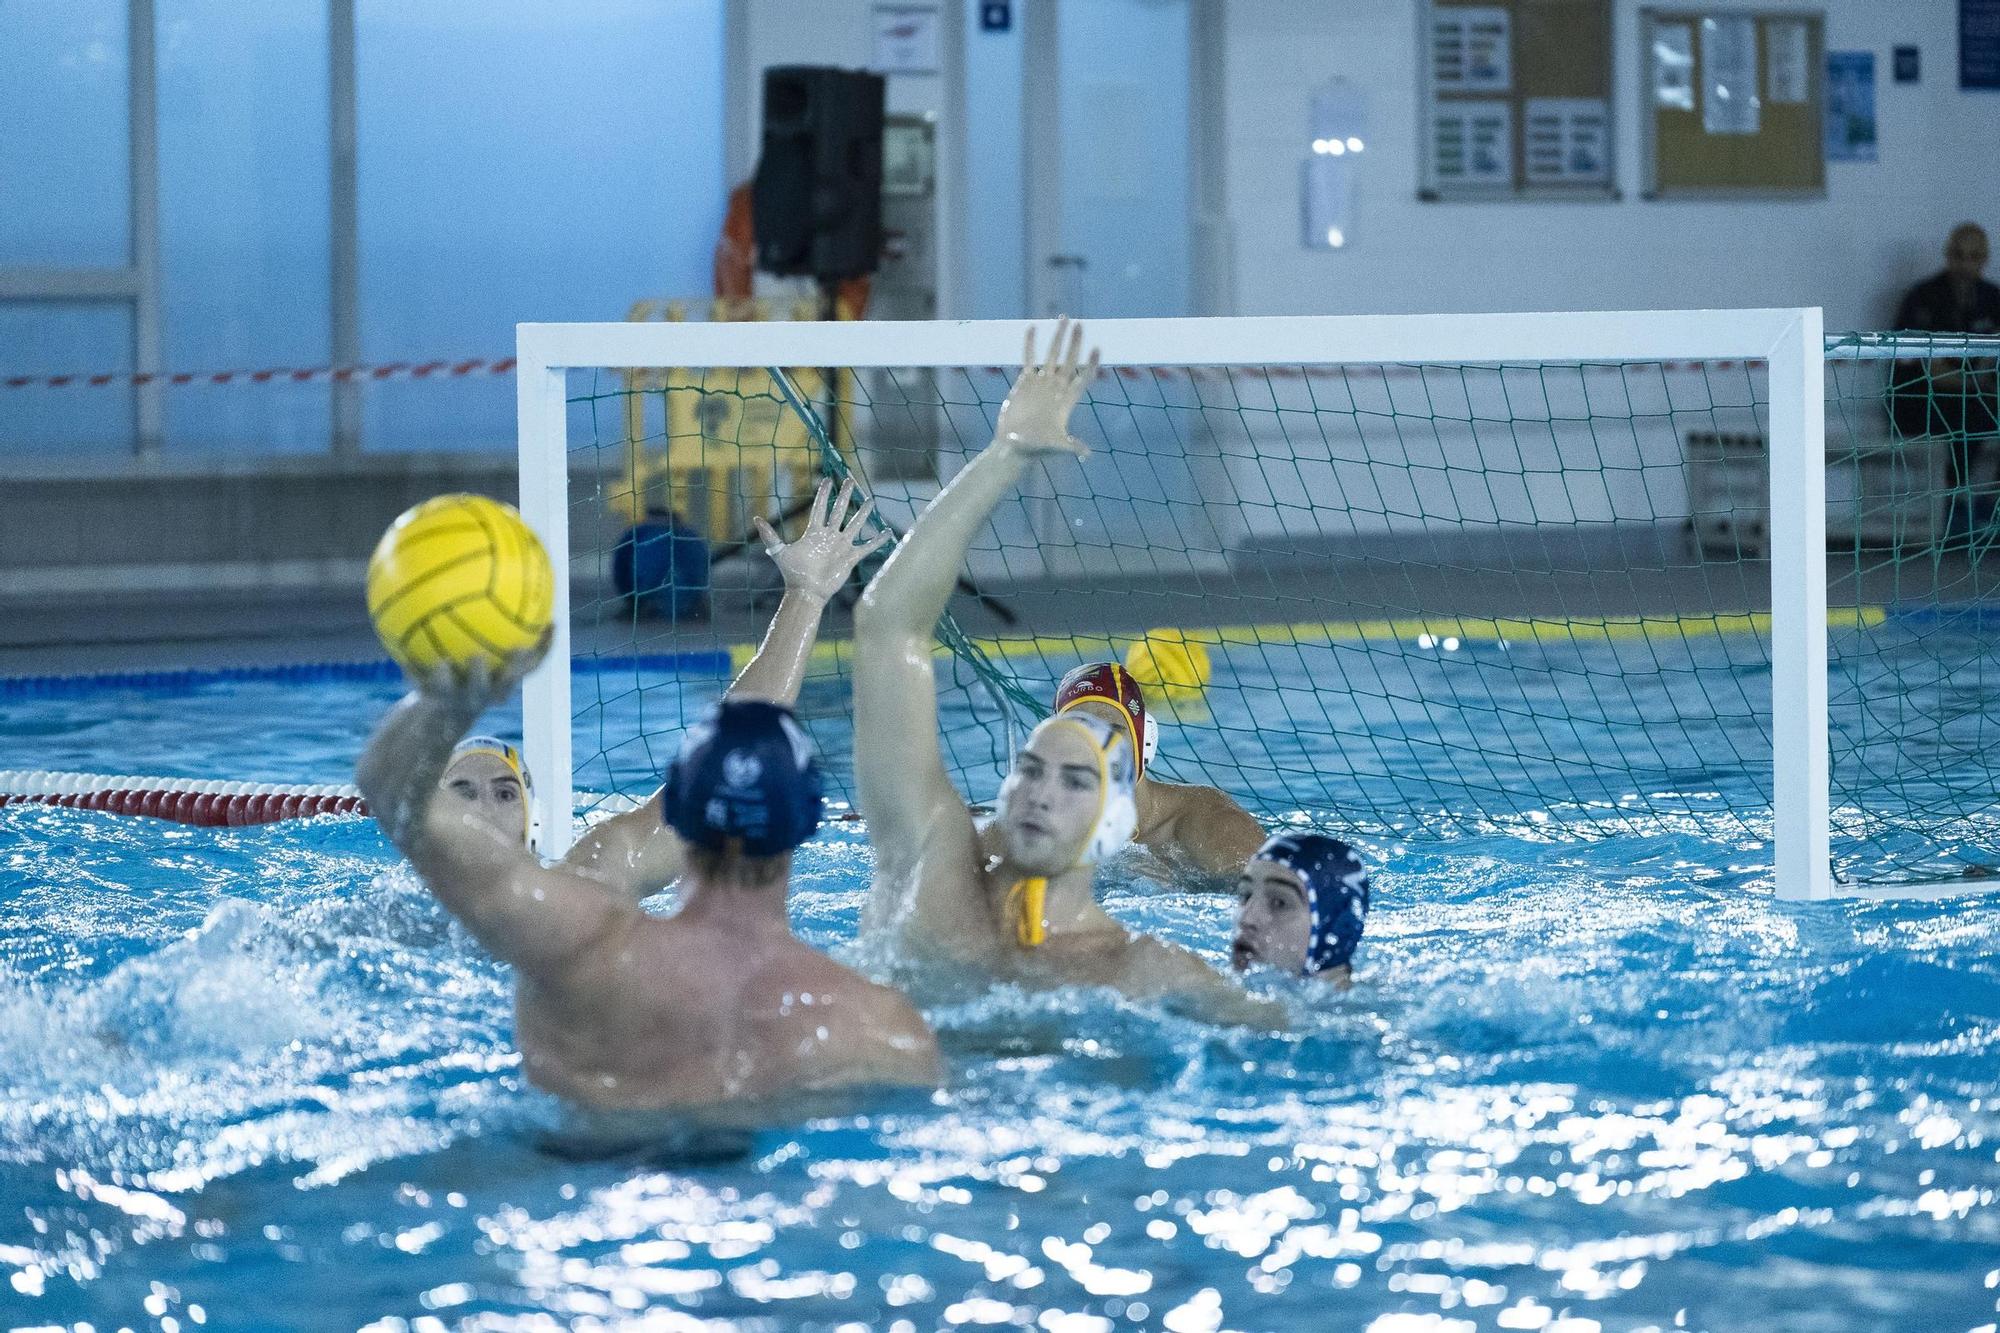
x: 1028, y: 904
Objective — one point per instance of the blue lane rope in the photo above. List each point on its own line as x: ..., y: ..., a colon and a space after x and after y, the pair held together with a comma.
x: 716, y: 663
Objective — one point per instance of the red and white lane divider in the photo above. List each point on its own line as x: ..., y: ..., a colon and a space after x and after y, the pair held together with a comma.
x: 394, y: 370
x: 441, y: 370
x: 183, y: 800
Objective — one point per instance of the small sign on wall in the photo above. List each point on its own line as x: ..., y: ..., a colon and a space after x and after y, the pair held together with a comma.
x: 1730, y: 103
x: 1979, y: 44
x: 1471, y: 50
x: 1567, y: 141
x: 906, y: 39
x: 1473, y: 143
x: 1850, y: 106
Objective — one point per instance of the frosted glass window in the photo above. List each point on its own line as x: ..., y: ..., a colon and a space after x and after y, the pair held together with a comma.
x: 56, y: 338
x: 65, y: 186
x: 525, y: 161
x: 244, y: 167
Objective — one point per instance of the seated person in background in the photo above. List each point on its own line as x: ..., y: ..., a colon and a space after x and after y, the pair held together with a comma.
x: 635, y: 851
x: 1197, y: 833
x: 1952, y: 396
x: 616, y: 1010
x: 1013, y: 898
x: 1300, y: 906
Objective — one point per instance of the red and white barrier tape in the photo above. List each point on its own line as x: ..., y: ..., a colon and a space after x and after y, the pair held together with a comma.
x: 183, y: 800
x: 438, y: 370
x: 394, y: 370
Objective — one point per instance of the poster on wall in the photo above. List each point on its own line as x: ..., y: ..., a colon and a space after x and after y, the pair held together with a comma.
x: 1979, y: 44
x: 1787, y: 60
x: 1471, y: 49
x: 1850, y: 106
x: 1566, y: 141
x: 1472, y: 143
x: 1673, y: 66
x: 1729, y: 100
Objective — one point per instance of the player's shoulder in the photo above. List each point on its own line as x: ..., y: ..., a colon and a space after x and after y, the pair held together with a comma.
x: 806, y: 986
x: 842, y: 1027
x: 1148, y: 958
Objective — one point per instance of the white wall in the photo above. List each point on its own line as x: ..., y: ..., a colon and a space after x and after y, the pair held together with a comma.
x: 1881, y: 226
x: 1284, y: 471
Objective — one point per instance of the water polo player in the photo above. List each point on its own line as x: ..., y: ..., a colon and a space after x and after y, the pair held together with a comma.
x: 1300, y: 905
x: 1012, y: 898
x: 618, y: 1010
x: 487, y: 774
x: 1200, y: 837
x: 635, y: 851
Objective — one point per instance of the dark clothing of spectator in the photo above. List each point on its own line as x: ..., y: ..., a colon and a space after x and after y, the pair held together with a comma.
x: 1924, y: 398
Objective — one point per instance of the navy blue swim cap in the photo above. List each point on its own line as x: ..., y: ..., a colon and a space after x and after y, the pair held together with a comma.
x: 1336, y: 892
x: 747, y: 775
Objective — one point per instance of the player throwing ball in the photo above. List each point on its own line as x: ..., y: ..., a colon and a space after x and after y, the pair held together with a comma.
x: 1013, y: 898
x: 617, y: 1010
x: 637, y: 852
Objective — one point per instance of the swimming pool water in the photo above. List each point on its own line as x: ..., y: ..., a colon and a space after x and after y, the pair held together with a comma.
x: 256, y: 1078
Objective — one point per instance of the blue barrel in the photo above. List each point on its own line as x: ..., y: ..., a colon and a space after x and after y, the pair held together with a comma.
x: 660, y: 568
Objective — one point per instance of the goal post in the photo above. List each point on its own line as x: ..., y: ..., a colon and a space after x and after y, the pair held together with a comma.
x: 1480, y: 350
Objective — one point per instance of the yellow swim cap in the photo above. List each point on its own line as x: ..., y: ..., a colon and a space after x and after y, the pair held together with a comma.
x: 510, y: 756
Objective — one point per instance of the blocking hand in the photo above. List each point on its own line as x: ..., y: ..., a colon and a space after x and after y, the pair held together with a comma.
x: 828, y: 550
x: 1035, y: 417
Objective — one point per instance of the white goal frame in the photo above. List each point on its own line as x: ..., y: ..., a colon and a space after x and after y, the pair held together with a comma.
x: 1790, y: 341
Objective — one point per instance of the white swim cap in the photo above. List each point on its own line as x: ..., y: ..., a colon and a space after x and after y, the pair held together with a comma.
x: 1117, y: 813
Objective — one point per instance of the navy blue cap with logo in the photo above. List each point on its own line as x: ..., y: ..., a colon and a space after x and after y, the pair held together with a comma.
x: 1337, y: 892
x: 747, y: 776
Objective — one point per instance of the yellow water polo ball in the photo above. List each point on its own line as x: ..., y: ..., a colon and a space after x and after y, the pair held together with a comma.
x: 457, y: 580
x: 1170, y: 663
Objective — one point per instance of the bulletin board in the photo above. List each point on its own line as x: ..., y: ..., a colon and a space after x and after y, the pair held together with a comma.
x: 1516, y: 99
x: 1733, y: 103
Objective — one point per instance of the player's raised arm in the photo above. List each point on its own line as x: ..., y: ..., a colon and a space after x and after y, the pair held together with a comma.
x: 635, y: 852
x: 905, y: 794
x: 535, y: 918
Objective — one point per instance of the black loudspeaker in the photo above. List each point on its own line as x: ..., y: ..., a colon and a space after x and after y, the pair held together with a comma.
x: 816, y: 206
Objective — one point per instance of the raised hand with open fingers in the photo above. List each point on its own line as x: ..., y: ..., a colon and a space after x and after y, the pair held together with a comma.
x: 1035, y: 417
x: 834, y: 542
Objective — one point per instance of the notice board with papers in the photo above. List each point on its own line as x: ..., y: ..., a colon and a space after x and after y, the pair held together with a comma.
x: 1516, y: 99
x: 1733, y: 104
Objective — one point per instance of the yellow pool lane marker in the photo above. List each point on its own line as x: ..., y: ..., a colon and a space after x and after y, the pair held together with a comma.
x: 1383, y: 633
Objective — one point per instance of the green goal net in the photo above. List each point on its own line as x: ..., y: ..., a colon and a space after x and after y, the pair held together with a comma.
x: 1392, y: 600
